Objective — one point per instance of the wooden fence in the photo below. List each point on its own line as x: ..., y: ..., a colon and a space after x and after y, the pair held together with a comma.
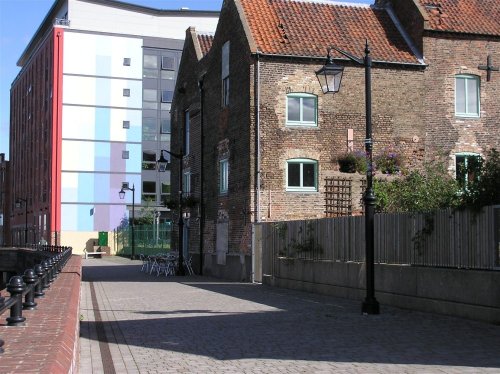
x: 446, y: 238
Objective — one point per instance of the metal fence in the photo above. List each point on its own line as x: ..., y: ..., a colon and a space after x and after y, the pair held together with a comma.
x: 149, y: 239
x: 446, y: 238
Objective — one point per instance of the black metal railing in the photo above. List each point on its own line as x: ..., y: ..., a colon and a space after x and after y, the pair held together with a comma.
x: 32, y: 284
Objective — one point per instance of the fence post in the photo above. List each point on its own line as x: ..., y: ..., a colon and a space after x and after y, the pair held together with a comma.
x: 16, y: 287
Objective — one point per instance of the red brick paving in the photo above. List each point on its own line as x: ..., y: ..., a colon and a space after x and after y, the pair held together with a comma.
x: 48, y: 343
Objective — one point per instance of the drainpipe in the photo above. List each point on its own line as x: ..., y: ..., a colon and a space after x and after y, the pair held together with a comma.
x: 202, y: 208
x: 257, y: 155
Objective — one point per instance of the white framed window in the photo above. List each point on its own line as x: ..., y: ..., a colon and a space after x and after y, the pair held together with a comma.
x: 301, y: 109
x: 125, y: 155
x: 126, y: 61
x: 126, y: 92
x: 467, y: 164
x: 223, y: 176
x: 126, y: 124
x: 225, y: 74
x: 186, y: 132
x: 467, y: 99
x: 302, y: 175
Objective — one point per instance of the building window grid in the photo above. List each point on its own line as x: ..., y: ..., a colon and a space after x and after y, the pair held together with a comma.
x: 466, y: 164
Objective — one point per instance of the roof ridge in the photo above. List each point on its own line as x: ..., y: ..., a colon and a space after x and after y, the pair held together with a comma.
x: 336, y: 3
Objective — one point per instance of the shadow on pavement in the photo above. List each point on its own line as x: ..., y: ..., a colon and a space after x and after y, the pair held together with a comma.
x: 301, y: 326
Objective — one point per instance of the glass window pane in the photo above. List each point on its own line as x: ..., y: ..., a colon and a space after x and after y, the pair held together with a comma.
x: 165, y: 125
x: 293, y: 175
x: 167, y: 63
x: 168, y: 74
x: 149, y: 105
x: 150, y: 95
x: 460, y: 95
x: 150, y: 73
x: 293, y: 109
x: 148, y: 187
x: 472, y: 106
x: 308, y: 171
x: 165, y: 188
x: 166, y: 96
x: 150, y: 61
x: 149, y: 156
x: 309, y: 109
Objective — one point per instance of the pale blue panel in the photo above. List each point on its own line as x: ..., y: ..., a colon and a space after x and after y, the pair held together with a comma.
x: 103, y: 91
x: 102, y: 188
x: 102, y: 124
x: 85, y: 187
x: 103, y: 65
x: 135, y: 157
x: 102, y: 157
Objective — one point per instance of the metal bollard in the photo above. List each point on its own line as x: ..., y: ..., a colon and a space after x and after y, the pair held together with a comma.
x: 39, y: 286
x: 46, y: 267
x: 51, y: 270
x: 55, y: 261
x: 16, y: 287
x: 30, y: 279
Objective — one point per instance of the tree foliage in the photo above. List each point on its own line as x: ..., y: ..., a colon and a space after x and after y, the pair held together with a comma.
x: 484, y: 188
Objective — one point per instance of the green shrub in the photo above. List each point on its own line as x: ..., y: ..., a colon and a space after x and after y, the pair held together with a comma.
x: 419, y: 191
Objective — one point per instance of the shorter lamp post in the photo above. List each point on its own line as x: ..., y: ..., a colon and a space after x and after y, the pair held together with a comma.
x: 122, y: 196
x: 20, y: 201
x: 329, y: 77
x: 162, y: 164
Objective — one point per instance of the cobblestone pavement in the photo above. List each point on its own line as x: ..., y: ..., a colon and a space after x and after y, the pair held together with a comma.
x: 134, y: 322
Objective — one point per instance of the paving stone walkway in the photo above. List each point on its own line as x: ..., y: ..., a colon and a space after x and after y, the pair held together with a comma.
x: 134, y: 322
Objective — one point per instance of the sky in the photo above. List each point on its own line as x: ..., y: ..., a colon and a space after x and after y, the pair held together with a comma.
x: 19, y: 19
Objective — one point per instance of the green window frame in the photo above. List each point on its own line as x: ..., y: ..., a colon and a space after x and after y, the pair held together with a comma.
x: 302, y: 175
x: 301, y: 109
x: 467, y: 96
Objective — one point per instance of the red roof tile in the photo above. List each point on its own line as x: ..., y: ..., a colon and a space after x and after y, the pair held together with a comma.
x: 464, y: 16
x: 205, y: 42
x: 306, y: 28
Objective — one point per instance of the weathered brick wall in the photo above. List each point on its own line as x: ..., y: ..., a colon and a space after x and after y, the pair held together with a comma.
x: 396, y: 118
x: 447, y: 56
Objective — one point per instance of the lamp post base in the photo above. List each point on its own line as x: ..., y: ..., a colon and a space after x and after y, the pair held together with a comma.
x: 370, y: 306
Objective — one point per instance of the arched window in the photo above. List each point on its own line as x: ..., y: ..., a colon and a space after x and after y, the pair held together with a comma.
x: 301, y: 109
x: 301, y: 175
x: 467, y: 96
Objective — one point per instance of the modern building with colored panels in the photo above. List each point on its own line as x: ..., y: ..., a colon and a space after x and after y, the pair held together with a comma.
x: 90, y: 110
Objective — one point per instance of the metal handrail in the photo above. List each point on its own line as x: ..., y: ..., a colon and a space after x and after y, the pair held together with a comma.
x: 32, y: 285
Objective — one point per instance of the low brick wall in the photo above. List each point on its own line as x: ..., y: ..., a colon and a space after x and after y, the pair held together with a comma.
x: 472, y: 294
x: 49, y: 341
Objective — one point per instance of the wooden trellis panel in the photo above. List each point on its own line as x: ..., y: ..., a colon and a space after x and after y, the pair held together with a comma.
x: 338, y: 197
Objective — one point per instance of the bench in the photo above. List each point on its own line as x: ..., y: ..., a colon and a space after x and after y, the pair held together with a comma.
x: 92, y: 254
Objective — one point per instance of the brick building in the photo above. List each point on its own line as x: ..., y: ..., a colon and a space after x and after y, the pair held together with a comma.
x: 90, y: 110
x: 260, y: 137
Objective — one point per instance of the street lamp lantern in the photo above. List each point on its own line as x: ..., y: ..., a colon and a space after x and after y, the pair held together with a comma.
x: 121, y: 194
x: 162, y: 163
x: 329, y: 77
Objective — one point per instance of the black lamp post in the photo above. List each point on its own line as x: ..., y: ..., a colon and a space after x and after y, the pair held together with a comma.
x: 125, y: 187
x: 20, y: 201
x: 162, y: 164
x: 329, y: 77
